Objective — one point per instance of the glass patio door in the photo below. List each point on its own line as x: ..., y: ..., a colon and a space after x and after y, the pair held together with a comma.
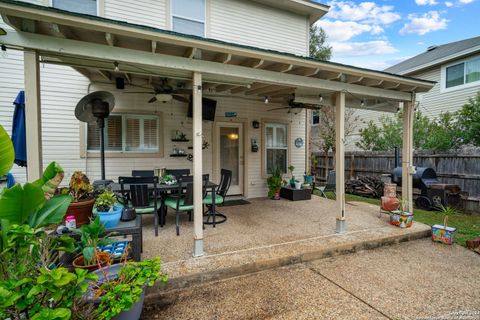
x: 230, y: 154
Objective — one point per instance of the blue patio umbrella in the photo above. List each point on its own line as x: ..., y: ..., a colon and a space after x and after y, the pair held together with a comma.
x: 18, y: 130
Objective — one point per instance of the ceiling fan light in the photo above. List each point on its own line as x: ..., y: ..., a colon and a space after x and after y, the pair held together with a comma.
x: 163, y: 97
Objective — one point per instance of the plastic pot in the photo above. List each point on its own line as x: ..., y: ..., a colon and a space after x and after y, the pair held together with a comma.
x: 103, y: 257
x: 111, y: 218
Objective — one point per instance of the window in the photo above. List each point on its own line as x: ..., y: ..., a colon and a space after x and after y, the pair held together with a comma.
x: 276, y: 146
x: 188, y: 16
x: 462, y: 73
x: 79, y: 6
x: 315, y: 117
x: 126, y: 133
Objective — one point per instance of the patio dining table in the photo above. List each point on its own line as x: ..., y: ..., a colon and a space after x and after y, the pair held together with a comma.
x: 163, y: 189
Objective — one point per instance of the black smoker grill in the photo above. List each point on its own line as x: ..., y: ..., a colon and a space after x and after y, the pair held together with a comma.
x: 433, y: 194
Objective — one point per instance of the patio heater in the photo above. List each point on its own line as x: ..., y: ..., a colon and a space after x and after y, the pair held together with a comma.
x: 96, y: 107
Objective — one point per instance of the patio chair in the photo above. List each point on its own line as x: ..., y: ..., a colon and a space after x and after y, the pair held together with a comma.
x: 143, y: 173
x: 138, y: 197
x: 183, y: 201
x: 221, y: 194
x: 329, y: 187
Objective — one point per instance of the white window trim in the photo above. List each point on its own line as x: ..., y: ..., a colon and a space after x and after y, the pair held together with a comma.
x: 443, y: 76
x: 190, y: 19
x: 265, y: 148
x: 124, y: 136
x: 50, y: 4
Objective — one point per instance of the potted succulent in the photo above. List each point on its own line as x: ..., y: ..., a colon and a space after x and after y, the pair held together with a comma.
x: 169, y: 179
x: 106, y: 208
x: 274, y: 183
x: 443, y: 233
x: 91, y: 239
x: 402, y: 218
x: 83, y: 200
x: 292, y: 179
x: 119, y: 291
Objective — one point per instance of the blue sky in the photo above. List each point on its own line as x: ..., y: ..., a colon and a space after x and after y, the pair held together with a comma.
x: 377, y: 34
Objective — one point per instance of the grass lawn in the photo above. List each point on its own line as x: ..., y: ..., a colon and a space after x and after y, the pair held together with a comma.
x: 468, y: 226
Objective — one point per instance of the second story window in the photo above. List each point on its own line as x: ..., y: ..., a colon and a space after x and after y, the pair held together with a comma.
x: 315, y: 117
x: 188, y: 16
x: 79, y: 6
x: 462, y: 73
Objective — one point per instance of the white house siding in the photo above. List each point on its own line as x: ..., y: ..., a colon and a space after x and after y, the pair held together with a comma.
x: 174, y: 117
x: 145, y: 12
x: 253, y: 24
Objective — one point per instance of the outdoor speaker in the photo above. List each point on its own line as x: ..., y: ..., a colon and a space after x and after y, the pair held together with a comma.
x: 120, y: 83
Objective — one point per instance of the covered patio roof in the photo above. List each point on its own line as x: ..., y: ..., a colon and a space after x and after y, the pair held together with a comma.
x: 146, y: 55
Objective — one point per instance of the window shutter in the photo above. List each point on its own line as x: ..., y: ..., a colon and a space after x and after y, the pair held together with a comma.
x: 114, y: 133
x: 93, y: 137
x: 150, y: 134
x: 133, y: 134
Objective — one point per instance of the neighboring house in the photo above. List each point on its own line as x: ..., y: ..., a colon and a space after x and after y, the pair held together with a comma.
x: 455, y: 67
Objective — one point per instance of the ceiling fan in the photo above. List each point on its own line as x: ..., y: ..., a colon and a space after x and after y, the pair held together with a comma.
x: 297, y: 105
x: 165, y: 92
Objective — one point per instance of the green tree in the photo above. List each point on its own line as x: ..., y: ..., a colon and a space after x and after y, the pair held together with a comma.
x: 437, y: 134
x: 318, y: 49
x: 469, y: 121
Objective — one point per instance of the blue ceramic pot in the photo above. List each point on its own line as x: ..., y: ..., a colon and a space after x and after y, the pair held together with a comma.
x: 110, y: 219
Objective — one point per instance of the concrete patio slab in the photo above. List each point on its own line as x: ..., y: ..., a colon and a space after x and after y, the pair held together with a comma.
x: 269, y: 234
x: 413, y: 280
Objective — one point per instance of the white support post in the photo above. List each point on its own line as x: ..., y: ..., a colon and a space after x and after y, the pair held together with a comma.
x: 197, y: 165
x: 33, y: 116
x: 340, y: 160
x: 407, y: 154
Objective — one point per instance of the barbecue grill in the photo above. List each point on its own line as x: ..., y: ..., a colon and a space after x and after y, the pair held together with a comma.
x: 433, y: 194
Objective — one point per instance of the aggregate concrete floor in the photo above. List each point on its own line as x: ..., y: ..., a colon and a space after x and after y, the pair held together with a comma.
x: 263, y: 222
x: 412, y: 280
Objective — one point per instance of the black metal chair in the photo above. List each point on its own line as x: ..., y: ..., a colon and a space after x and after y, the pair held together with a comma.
x: 177, y: 173
x: 143, y: 173
x: 183, y: 201
x: 220, y: 195
x: 138, y: 197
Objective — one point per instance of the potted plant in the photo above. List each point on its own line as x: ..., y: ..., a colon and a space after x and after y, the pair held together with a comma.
x: 308, y: 178
x: 91, y: 238
x: 83, y: 200
x: 298, y: 184
x: 119, y: 291
x: 292, y: 177
x: 106, y: 209
x: 443, y: 233
x: 274, y: 183
x: 402, y: 218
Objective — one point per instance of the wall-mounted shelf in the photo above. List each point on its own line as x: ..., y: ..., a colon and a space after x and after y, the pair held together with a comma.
x: 180, y: 140
x: 178, y: 155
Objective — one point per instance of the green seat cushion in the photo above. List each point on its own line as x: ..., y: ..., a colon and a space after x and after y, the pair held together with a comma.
x: 172, y: 203
x: 149, y: 209
x: 208, y: 199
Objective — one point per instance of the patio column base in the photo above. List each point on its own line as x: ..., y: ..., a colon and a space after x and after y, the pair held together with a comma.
x: 198, y: 248
x: 341, y: 226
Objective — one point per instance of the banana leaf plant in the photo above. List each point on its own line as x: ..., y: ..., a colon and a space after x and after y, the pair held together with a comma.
x: 33, y: 203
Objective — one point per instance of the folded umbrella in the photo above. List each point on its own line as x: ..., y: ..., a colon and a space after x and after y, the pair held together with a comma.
x: 18, y: 130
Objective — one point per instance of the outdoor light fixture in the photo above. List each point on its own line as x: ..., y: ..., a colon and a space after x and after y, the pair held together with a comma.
x: 266, y: 100
x: 116, y: 69
x: 320, y: 98
x: 3, y: 52
x: 164, y: 97
x: 362, y: 103
x: 232, y: 136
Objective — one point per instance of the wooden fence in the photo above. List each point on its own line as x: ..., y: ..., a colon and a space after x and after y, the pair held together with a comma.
x: 462, y: 168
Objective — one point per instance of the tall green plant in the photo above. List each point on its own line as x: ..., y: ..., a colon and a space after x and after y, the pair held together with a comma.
x: 469, y: 120
x: 7, y: 153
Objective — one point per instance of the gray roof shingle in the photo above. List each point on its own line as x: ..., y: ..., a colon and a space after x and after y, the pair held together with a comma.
x: 440, y: 52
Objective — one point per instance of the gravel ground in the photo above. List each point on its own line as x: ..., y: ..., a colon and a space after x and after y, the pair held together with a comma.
x: 405, y: 281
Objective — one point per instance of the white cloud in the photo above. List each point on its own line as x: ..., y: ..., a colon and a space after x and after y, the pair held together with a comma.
x: 426, y: 2
x: 448, y: 4
x: 353, y: 49
x: 345, y: 30
x: 427, y: 22
x: 457, y: 3
x: 466, y: 1
x: 366, y: 12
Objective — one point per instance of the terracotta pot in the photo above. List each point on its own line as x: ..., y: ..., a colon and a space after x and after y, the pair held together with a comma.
x: 82, y: 211
x: 103, y: 257
x: 390, y: 204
